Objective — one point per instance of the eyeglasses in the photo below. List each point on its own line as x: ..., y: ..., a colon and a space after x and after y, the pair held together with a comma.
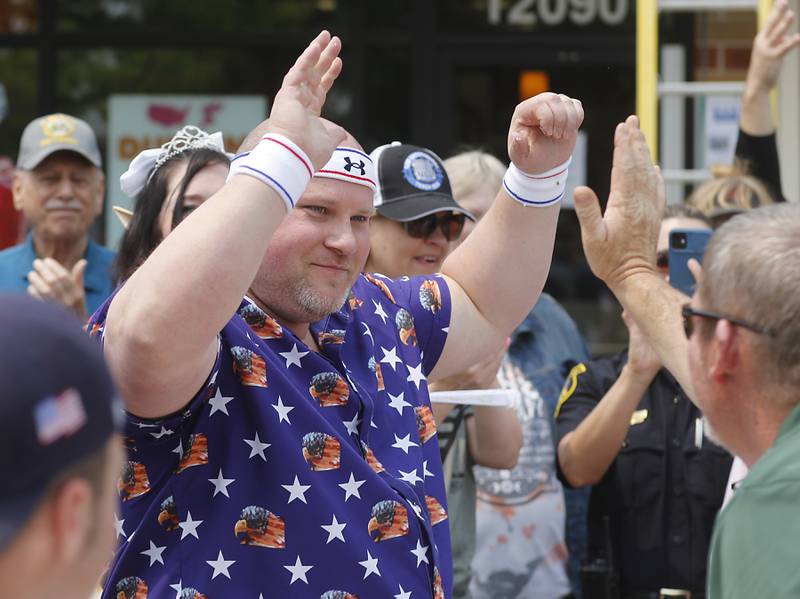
x: 450, y: 223
x: 688, y: 327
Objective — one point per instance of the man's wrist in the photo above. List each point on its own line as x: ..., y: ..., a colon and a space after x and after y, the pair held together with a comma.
x: 537, y: 190
x: 279, y: 163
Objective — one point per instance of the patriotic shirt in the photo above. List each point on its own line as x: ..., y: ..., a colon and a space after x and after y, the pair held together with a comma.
x: 292, y: 472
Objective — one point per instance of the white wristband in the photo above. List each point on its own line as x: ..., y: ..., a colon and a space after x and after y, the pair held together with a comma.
x: 278, y: 162
x: 543, y: 189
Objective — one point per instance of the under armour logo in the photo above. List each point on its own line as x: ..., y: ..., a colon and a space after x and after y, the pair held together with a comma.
x: 351, y: 165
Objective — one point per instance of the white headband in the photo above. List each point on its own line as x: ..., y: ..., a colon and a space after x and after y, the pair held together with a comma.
x: 351, y: 165
x: 147, y: 162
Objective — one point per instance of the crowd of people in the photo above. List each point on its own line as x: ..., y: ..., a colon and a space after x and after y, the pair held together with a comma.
x: 247, y: 411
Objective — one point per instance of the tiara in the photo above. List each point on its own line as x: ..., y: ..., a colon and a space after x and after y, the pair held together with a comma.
x: 186, y: 138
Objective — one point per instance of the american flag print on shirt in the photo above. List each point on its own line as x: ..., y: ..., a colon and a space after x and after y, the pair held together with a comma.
x: 292, y: 472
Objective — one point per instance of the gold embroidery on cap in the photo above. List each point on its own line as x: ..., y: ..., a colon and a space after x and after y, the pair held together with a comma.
x: 638, y: 417
x: 58, y: 129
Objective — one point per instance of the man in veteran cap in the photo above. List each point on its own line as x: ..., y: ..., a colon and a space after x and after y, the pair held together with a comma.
x: 59, y: 186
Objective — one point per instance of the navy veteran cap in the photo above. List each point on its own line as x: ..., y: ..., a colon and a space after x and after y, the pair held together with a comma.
x: 57, y: 404
x: 56, y: 133
x: 412, y: 183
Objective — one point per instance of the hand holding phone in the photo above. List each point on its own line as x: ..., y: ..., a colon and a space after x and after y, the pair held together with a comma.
x: 685, y: 244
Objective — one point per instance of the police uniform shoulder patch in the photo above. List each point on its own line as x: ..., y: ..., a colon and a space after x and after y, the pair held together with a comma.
x: 569, y: 386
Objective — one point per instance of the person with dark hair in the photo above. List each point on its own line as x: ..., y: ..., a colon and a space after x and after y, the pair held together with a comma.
x: 59, y: 187
x: 626, y: 428
x: 168, y: 183
x: 60, y: 453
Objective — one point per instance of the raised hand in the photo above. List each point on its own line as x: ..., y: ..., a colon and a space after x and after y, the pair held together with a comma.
x: 622, y: 242
x: 642, y: 358
x: 770, y: 46
x: 50, y: 280
x: 297, y: 105
x: 543, y: 132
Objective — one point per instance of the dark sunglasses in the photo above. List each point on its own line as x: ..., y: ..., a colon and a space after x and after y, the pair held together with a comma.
x: 688, y: 327
x: 450, y: 223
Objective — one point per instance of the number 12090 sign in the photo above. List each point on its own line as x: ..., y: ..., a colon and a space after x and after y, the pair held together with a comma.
x: 556, y: 12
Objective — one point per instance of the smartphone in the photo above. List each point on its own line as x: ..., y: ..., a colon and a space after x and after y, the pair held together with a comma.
x: 685, y: 244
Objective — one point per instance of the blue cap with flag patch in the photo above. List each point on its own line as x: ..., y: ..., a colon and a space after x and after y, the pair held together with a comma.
x: 58, y: 404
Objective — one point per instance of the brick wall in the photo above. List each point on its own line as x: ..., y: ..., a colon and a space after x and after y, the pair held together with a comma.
x: 722, y: 45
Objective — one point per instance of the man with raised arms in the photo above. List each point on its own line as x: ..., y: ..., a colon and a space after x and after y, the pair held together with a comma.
x: 280, y: 436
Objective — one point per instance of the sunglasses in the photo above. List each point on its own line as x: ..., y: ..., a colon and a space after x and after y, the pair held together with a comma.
x: 688, y: 327
x: 662, y: 259
x: 450, y: 223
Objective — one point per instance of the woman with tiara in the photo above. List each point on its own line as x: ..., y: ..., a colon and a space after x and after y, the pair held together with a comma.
x: 167, y: 183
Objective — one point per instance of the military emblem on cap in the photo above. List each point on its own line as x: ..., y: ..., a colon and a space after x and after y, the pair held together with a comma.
x: 422, y: 171
x: 58, y: 129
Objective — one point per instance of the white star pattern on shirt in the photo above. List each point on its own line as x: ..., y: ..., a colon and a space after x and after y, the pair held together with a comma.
x: 221, y: 484
x: 298, y: 571
x: 417, y: 510
x: 425, y: 472
x: 405, y: 443
x: 143, y: 425
x: 421, y: 553
x: 402, y: 594
x: 398, y: 403
x: 334, y: 530
x: 297, y: 491
x: 179, y: 450
x: 351, y: 488
x: 154, y: 553
x: 390, y: 357
x: 257, y: 447
x: 220, y: 566
x: 367, y: 332
x: 218, y: 403
x: 410, y: 477
x: 189, y: 526
x: 370, y: 565
x: 379, y: 311
x: 164, y: 431
x: 283, y: 411
x: 415, y: 374
x: 294, y: 356
x: 118, y: 527
x: 352, y: 425
x: 177, y: 588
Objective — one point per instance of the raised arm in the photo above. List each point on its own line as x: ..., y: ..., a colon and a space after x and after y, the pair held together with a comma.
x: 620, y: 247
x: 770, y: 46
x: 161, y: 329
x: 496, y: 275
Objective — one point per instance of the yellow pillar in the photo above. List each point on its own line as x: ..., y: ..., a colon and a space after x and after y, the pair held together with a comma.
x: 647, y: 71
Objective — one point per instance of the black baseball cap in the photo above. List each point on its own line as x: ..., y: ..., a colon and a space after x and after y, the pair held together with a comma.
x: 412, y: 183
x: 58, y: 404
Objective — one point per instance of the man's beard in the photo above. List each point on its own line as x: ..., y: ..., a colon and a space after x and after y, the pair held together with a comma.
x: 314, y: 304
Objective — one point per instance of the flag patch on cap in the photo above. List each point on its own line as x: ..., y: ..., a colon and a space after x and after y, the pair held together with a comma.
x: 59, y: 416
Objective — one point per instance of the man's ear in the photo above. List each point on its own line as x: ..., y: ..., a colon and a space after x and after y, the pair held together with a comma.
x: 17, y: 185
x: 100, y: 193
x: 72, y: 519
x: 727, y: 351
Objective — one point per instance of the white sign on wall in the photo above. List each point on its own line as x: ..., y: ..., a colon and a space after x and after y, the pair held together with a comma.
x: 139, y: 122
x: 721, y: 129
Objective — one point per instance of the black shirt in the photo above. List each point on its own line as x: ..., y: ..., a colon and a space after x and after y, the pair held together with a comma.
x: 662, y: 491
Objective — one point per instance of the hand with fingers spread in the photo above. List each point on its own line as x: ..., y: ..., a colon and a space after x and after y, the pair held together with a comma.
x: 543, y: 132
x: 622, y: 242
x: 51, y: 281
x: 770, y: 46
x: 297, y: 106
